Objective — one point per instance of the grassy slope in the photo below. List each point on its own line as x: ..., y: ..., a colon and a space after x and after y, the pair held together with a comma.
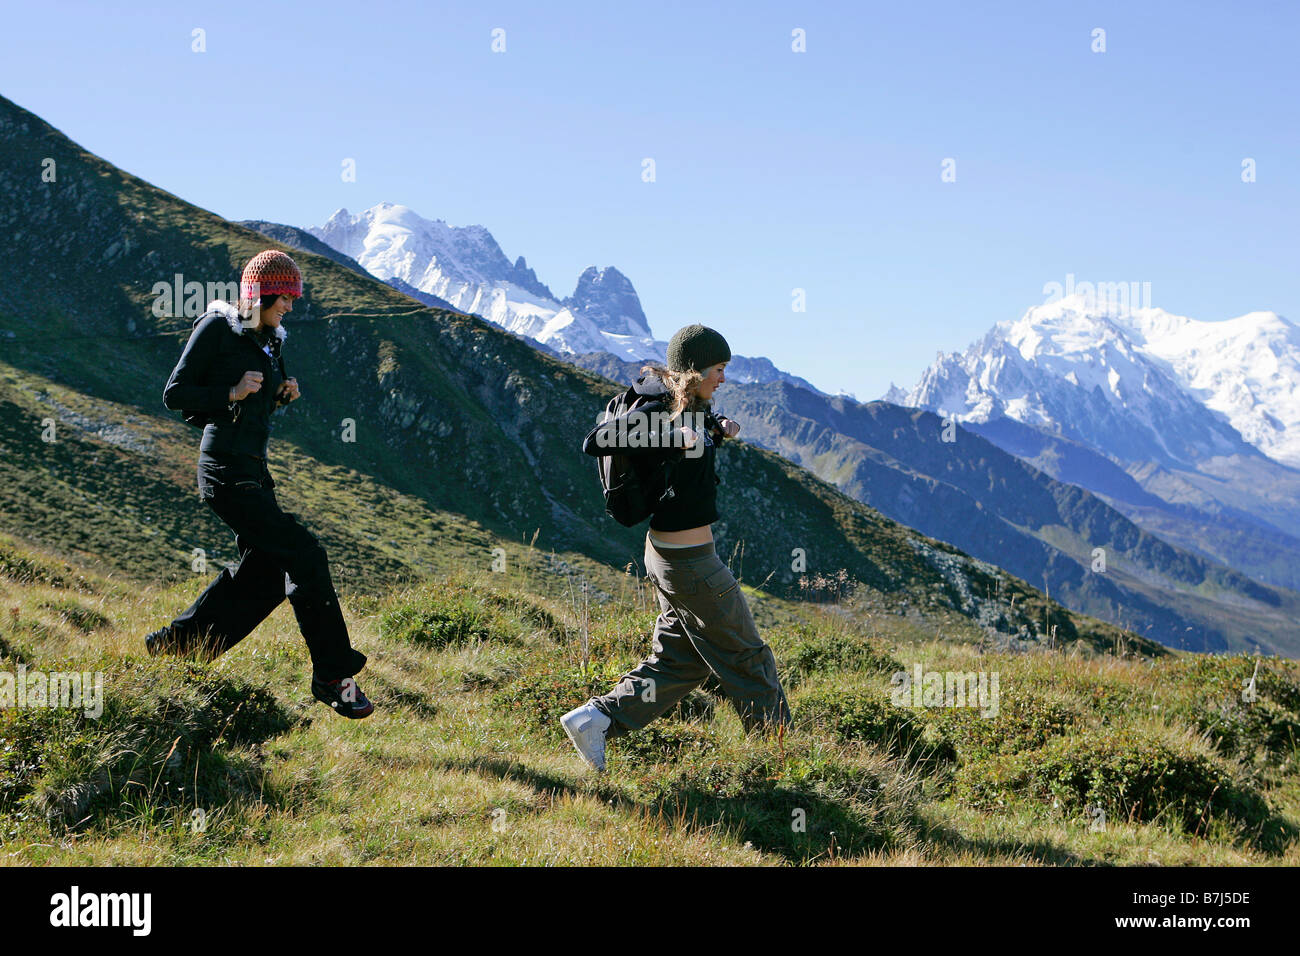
x: 463, y: 762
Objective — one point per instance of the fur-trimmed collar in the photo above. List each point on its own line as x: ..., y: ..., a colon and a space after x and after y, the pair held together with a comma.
x: 238, y: 324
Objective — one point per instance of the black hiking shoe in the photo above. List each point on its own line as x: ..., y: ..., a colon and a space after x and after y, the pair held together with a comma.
x: 159, y: 642
x: 343, y: 695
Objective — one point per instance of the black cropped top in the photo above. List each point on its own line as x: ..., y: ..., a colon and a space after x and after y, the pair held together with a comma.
x: 694, y: 482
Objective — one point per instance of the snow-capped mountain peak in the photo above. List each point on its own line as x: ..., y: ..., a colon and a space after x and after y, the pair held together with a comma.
x: 393, y: 241
x: 1141, y: 383
x: 465, y: 266
x: 1246, y: 369
x: 606, y: 297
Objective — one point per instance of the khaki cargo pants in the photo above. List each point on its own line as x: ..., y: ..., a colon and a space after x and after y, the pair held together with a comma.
x: 704, y: 627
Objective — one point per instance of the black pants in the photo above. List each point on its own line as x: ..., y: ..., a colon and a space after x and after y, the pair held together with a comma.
x: 278, y: 558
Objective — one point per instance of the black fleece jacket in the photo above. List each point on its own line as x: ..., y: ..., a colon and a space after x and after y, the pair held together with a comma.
x: 220, y: 350
x: 693, y: 480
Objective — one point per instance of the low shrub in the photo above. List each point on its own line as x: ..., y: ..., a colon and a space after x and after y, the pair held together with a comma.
x: 169, y: 735
x: 799, y: 797
x: 872, y: 717
x: 84, y: 619
x: 1024, y: 721
x: 1132, y: 775
x: 1248, y: 707
x: 450, y: 618
x: 664, y: 739
x: 813, y: 655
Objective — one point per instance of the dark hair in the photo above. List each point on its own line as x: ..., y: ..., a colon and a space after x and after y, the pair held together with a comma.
x: 269, y: 300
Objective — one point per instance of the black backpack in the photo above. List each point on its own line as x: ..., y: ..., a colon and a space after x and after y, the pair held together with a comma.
x: 633, y: 485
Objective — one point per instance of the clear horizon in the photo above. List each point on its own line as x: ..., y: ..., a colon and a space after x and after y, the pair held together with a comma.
x: 775, y: 170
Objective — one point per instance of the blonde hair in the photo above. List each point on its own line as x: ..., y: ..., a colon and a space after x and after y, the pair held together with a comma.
x: 681, y: 388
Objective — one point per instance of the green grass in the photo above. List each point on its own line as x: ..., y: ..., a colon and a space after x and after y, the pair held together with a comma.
x: 231, y: 762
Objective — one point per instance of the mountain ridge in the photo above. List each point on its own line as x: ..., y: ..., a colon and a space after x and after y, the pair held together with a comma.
x: 603, y: 314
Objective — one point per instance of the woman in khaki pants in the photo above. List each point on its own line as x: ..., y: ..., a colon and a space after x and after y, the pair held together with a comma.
x: 705, y: 625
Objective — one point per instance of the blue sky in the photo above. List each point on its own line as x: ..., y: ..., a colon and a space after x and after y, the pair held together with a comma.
x: 775, y: 170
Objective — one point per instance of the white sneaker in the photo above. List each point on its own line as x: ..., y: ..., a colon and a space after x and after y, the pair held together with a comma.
x: 586, y: 727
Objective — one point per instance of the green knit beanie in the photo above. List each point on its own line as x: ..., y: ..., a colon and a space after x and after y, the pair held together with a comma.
x: 697, y: 347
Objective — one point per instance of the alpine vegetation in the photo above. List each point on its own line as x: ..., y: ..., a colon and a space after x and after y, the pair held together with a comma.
x: 946, y: 689
x: 80, y: 690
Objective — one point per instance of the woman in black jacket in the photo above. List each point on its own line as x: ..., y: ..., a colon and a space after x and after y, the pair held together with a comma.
x: 230, y: 378
x: 704, y: 626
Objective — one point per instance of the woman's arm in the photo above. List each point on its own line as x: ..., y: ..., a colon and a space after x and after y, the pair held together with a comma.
x: 187, y: 388
x: 723, y: 427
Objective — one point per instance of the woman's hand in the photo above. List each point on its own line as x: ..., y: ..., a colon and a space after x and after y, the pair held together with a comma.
x: 288, y: 392
x: 730, y: 428
x: 250, y: 383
